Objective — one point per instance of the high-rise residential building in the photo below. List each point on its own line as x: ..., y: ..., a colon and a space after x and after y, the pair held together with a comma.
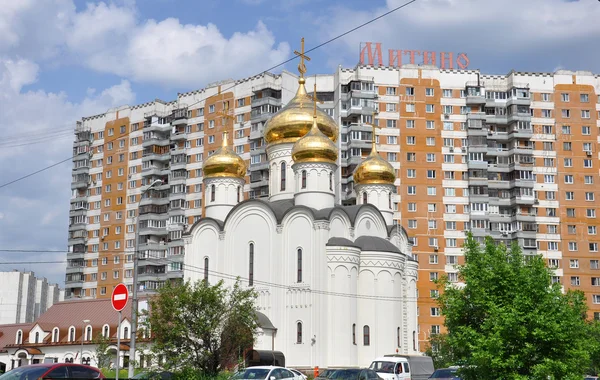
x: 23, y: 297
x: 511, y: 156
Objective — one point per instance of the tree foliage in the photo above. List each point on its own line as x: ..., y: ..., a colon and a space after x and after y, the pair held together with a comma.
x: 201, y: 326
x: 509, y: 321
x: 102, y: 355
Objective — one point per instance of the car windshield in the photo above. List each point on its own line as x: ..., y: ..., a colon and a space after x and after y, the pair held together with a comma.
x: 24, y: 373
x: 383, y: 367
x: 441, y: 373
x: 345, y: 374
x: 255, y: 373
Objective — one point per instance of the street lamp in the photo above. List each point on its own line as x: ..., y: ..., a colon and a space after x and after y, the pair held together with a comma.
x: 134, y: 298
x: 85, y: 322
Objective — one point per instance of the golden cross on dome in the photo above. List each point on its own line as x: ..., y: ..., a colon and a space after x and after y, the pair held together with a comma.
x: 225, y: 136
x: 301, y: 65
x: 315, y: 99
x: 226, y: 113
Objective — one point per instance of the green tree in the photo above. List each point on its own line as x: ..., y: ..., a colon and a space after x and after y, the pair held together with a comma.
x: 509, y: 321
x: 201, y: 326
x: 439, y: 350
x: 101, y: 354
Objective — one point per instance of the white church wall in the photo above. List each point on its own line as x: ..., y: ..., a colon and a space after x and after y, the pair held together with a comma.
x: 298, y: 233
x: 342, y: 311
x: 339, y: 225
x: 205, y: 245
x: 366, y: 317
x: 369, y: 223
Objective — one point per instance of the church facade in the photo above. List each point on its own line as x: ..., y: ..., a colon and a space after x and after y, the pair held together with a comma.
x: 336, y: 284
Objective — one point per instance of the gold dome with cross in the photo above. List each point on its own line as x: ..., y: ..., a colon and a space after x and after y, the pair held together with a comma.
x: 224, y: 163
x: 374, y: 169
x: 294, y: 120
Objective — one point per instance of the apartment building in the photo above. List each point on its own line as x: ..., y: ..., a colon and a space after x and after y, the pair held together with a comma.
x: 23, y: 297
x: 512, y: 156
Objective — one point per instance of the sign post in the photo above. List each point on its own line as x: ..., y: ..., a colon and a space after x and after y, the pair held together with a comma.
x: 120, y: 296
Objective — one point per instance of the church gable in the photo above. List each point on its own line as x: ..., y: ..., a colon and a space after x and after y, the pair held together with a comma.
x: 369, y: 223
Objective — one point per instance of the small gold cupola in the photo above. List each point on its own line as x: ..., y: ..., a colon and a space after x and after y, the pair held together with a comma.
x: 315, y: 146
x: 374, y: 169
x: 224, y: 163
x: 294, y: 120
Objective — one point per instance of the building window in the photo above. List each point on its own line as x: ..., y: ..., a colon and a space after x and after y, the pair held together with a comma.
x: 366, y: 336
x: 105, y: 332
x: 365, y: 198
x: 282, y: 176
x: 212, y: 193
x: 251, y: 265
x: 206, y: 269
x: 72, y: 334
x: 239, y: 194
x: 299, y: 333
x: 304, y: 179
x: 331, y: 181
x: 126, y: 333
x: 88, y: 333
x: 37, y: 337
x: 354, y: 333
x: 299, y: 274
x: 55, y: 335
x: 390, y: 200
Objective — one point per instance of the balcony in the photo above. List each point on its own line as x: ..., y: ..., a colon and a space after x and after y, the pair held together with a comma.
x: 179, y: 136
x: 364, y: 94
x: 257, y: 102
x: 262, y: 165
x: 80, y: 181
x: 156, y: 156
x: 74, y: 280
x: 179, y: 116
x: 155, y: 140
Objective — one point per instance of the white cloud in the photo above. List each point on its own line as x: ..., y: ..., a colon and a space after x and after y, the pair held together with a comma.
x: 502, y: 35
x: 109, y: 38
x: 35, y: 211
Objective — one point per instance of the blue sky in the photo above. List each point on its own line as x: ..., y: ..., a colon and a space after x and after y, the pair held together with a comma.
x: 64, y: 59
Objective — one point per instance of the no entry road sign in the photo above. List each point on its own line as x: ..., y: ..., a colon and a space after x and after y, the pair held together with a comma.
x: 120, y: 296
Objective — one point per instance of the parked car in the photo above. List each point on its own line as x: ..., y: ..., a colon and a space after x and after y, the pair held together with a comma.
x: 324, y: 373
x: 268, y: 373
x: 403, y: 367
x: 53, y: 371
x: 446, y: 374
x: 353, y: 374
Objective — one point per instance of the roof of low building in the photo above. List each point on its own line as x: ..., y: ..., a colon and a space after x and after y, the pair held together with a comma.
x: 374, y: 243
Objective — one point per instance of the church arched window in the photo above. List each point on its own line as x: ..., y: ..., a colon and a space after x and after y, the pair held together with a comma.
x: 239, y: 194
x: 212, y: 193
x: 206, y: 269
x: 299, y: 333
x: 299, y: 272
x: 354, y: 333
x: 125, y: 333
x: 55, y: 335
x: 282, y: 176
x: 72, y: 334
x: 366, y: 335
x: 331, y: 181
x: 304, y: 179
x: 398, y: 336
x: 390, y: 199
x: 414, y: 340
x: 19, y: 337
x: 251, y: 265
x: 365, y: 198
x: 37, y: 337
x: 88, y: 333
x: 105, y: 331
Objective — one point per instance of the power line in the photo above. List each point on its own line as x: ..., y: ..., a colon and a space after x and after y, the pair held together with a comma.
x: 234, y: 85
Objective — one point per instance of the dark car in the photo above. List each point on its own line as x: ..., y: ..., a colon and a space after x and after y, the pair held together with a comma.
x: 442, y: 374
x: 353, y: 374
x: 324, y: 373
x: 53, y: 371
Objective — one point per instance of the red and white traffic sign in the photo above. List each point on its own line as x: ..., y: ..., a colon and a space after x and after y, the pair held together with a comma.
x: 120, y: 296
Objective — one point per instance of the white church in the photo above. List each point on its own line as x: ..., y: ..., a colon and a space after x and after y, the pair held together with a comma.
x: 336, y: 284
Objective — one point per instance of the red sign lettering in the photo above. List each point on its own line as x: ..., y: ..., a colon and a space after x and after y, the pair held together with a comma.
x: 370, y: 55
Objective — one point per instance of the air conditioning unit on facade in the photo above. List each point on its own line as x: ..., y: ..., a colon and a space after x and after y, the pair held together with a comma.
x: 446, y: 116
x: 588, y: 153
x: 451, y: 149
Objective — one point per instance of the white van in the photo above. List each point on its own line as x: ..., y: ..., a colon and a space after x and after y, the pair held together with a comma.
x: 403, y: 367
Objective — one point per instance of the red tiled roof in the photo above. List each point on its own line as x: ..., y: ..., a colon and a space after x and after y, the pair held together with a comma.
x: 72, y: 313
x: 8, y: 333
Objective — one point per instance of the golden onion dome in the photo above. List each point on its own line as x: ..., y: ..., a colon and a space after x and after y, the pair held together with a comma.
x: 294, y: 120
x: 224, y: 163
x: 374, y: 169
x: 315, y: 147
